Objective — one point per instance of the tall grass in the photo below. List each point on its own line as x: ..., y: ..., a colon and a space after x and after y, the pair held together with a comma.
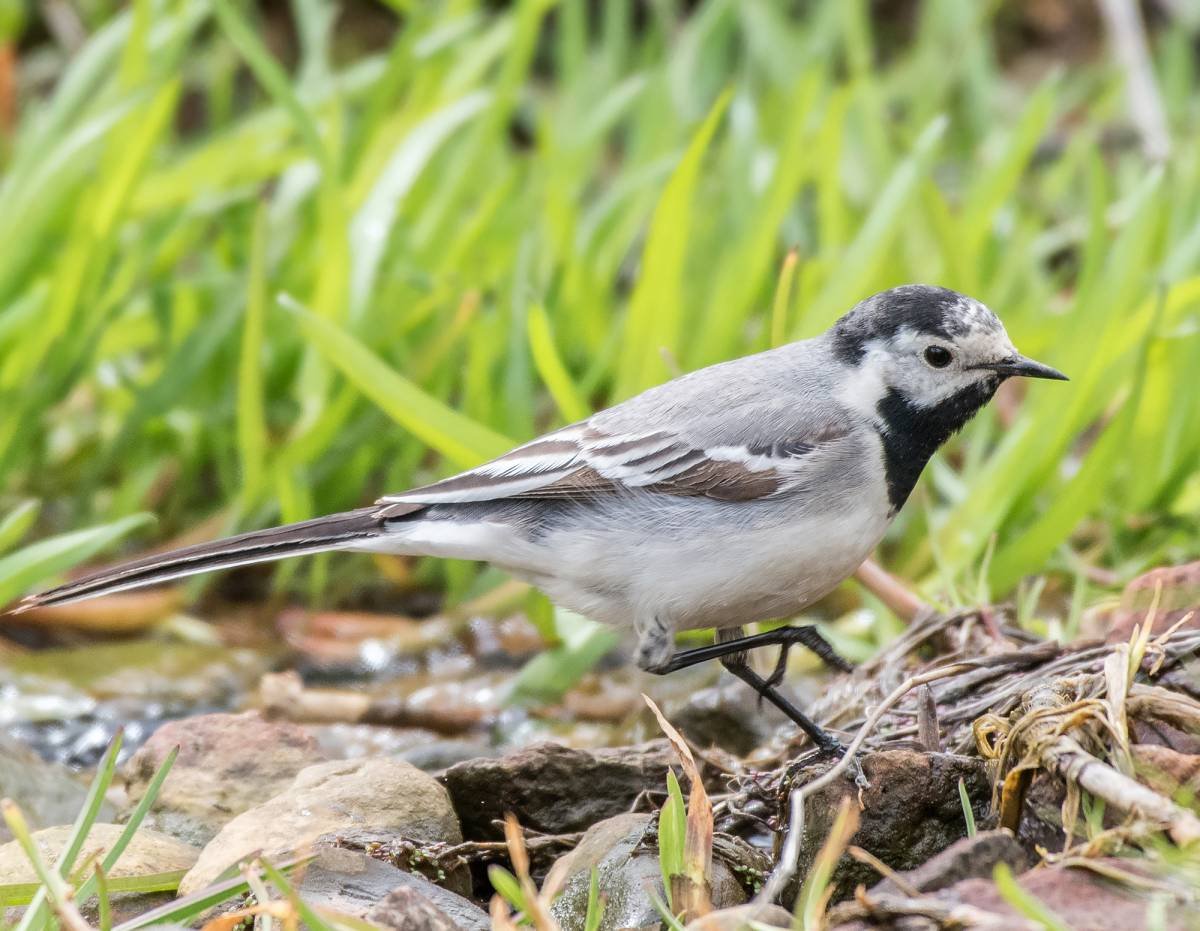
x: 503, y: 217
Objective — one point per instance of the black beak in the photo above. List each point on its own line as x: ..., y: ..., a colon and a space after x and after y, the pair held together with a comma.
x: 1024, y: 367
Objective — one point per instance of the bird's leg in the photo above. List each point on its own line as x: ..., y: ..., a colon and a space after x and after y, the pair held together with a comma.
x: 821, y: 738
x: 732, y: 655
x: 784, y: 637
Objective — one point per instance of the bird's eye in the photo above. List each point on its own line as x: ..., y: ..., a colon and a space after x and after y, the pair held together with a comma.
x: 937, y: 356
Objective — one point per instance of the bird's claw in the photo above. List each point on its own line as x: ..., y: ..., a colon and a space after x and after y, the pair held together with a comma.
x: 777, y: 674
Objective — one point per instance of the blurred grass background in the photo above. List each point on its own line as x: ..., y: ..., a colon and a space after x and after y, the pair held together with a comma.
x: 261, y: 262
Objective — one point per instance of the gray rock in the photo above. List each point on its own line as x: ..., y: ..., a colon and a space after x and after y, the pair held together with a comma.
x: 393, y: 847
x: 408, y: 910
x: 350, y: 882
x: 418, y: 904
x: 629, y: 877
x: 910, y: 812
x: 227, y: 763
x: 47, y: 793
x: 343, y: 795
x: 554, y: 789
x: 148, y: 852
x: 969, y: 858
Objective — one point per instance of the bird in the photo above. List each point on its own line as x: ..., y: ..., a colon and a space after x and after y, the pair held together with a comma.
x: 740, y: 492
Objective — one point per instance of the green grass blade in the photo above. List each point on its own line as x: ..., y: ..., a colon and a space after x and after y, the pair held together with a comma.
x: 783, y: 298
x: 88, y: 889
x: 595, y: 904
x: 550, y: 366
x: 866, y: 252
x: 40, y: 561
x: 54, y: 888
x: 548, y: 675
x: 272, y: 77
x: 672, y: 830
x: 16, y: 523
x: 656, y: 307
x: 1025, y: 903
x: 373, y: 222
x: 105, y: 771
x: 104, y: 902
x: 968, y: 811
x: 251, y: 412
x: 509, y: 888
x: 458, y: 438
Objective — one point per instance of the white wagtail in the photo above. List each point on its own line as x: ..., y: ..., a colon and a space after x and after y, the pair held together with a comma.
x: 740, y: 492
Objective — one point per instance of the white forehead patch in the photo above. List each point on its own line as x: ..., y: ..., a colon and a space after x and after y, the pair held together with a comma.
x: 976, y: 316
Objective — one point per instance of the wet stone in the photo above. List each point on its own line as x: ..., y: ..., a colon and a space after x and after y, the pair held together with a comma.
x: 419, y: 905
x: 442, y: 754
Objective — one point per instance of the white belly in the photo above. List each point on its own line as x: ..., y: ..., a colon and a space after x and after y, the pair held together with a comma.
x: 712, y: 575
x: 688, y: 562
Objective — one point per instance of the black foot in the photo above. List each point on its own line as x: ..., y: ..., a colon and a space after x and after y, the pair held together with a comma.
x: 783, y: 637
x: 732, y: 655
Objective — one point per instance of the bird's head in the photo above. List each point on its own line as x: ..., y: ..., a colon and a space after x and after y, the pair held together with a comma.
x: 919, y: 362
x: 931, y: 348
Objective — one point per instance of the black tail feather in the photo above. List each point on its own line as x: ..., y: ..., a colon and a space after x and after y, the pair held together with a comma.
x: 309, y: 536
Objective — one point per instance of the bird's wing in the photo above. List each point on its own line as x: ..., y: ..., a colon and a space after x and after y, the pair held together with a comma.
x: 723, y: 439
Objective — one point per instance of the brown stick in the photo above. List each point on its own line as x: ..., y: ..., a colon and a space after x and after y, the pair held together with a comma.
x: 900, y: 600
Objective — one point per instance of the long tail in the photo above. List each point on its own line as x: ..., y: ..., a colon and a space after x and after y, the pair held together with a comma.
x: 337, y: 531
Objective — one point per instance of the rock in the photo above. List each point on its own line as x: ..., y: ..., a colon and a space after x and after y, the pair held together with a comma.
x: 739, y: 917
x: 1162, y: 734
x: 969, y: 858
x: 629, y: 876
x: 408, y: 910
x: 598, y: 841
x: 1178, y: 589
x: 148, y: 852
x: 553, y: 789
x: 343, y: 795
x: 1166, y: 770
x: 728, y: 716
x: 1079, y: 897
x: 419, y: 905
x: 352, y: 883
x: 227, y: 764
x: 910, y: 812
x: 47, y: 793
x: 396, y: 849
x: 435, y: 757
